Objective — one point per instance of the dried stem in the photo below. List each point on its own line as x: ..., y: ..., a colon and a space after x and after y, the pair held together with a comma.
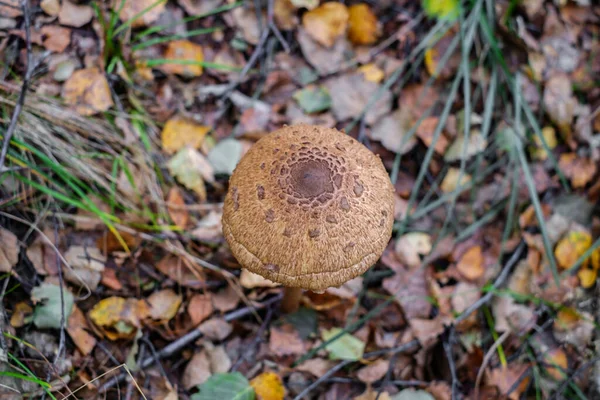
x: 291, y: 299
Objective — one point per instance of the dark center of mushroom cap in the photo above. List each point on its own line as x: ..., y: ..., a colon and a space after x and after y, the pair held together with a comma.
x: 311, y: 178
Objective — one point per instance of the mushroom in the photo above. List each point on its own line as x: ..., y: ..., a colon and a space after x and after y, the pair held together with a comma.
x: 308, y: 207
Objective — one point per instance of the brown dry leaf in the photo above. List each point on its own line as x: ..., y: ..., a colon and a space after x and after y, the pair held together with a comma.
x: 87, y: 89
x: 176, y: 269
x: 557, y: 363
x: 512, y: 316
x: 110, y: 243
x: 119, y: 318
x: 179, y: 132
x: 410, y: 288
x: 285, y: 341
x: 164, y: 305
x: 148, y: 11
x: 373, y: 372
x: 55, y: 38
x: 440, y: 390
x: 465, y: 294
x: 176, y: 208
x: 20, y: 313
x: 198, y: 7
x: 326, y: 23
x: 411, y: 247
x: 284, y: 13
x: 537, y: 150
x: 183, y: 50
x: 451, y: 183
x: 11, y: 8
x: 87, y: 265
x: 215, y: 329
x: 209, y: 228
x: 505, y: 378
x: 471, y: 263
x: 250, y: 280
x: 372, y: 72
x: 9, y: 250
x: 363, y: 27
x: 580, y: 170
x: 325, y: 60
x: 425, y: 132
x: 351, y: 93
x: 50, y: 7
x: 559, y: 103
x: 434, y: 55
x: 370, y: 394
x: 392, y: 130
x: 245, y: 19
x: 426, y: 330
x: 418, y: 98
x: 315, y: 366
x: 268, y: 386
x: 574, y: 328
x: 197, y: 371
x: 75, y: 15
x: 77, y: 327
x: 110, y: 279
x: 200, y: 308
x: 226, y: 299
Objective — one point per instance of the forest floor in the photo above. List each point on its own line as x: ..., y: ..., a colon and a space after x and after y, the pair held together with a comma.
x: 122, y: 121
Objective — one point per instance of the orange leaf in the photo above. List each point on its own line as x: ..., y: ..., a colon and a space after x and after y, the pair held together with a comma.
x: 176, y: 207
x: 87, y: 89
x: 571, y: 247
x: 326, y: 23
x: 579, y: 169
x: 557, y: 363
x: 184, y: 50
x: 268, y: 386
x: 471, y: 264
x: 363, y: 27
x: 179, y: 132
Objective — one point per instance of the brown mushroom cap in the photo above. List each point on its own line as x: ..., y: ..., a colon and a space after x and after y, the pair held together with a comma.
x: 308, y: 207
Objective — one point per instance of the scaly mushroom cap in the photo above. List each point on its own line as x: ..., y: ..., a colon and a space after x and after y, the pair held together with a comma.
x: 308, y: 207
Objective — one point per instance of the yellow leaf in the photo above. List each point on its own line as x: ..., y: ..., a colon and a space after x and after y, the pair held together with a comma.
x: 119, y: 318
x: 363, y: 27
x: 87, y: 89
x: 268, y: 386
x: 431, y: 60
x: 443, y: 9
x: 557, y: 362
x: 372, y: 72
x: 184, y: 51
x: 180, y: 132
x: 21, y: 312
x: 450, y: 182
x: 326, y: 23
x: 538, y: 151
x: 571, y: 247
x: 587, y: 277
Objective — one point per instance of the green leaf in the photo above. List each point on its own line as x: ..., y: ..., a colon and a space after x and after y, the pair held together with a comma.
x: 313, y: 99
x: 346, y: 347
x: 442, y: 9
x: 412, y: 394
x: 47, y: 313
x: 229, y: 386
x: 304, y: 320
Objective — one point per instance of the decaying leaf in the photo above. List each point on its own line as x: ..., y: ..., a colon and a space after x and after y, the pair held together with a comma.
x: 313, y: 99
x: 477, y: 143
x: 580, y: 170
x: 9, y: 250
x: 560, y: 103
x: 189, y: 55
x: 53, y: 302
x: 471, y: 263
x: 326, y: 23
x: 177, y: 208
x: 140, y: 12
x: 77, y: 327
x: 392, y: 131
x: 88, y: 91
x: 11, y: 8
x: 571, y: 247
x: 372, y: 72
x: 192, y: 169
x: 180, y: 132
x: 345, y: 347
x: 451, y: 180
x: 75, y: 15
x: 164, y: 305
x: 268, y: 386
x: 119, y: 318
x: 373, y: 372
x: 21, y: 312
x: 87, y: 265
x: 200, y: 308
x: 411, y: 247
x: 504, y: 378
x: 286, y: 341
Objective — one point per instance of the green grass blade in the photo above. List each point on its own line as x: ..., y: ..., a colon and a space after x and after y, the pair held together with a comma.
x: 164, y: 39
x: 131, y: 20
x: 162, y: 61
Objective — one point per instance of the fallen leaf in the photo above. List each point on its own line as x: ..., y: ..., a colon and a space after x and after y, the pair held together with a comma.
x: 140, y: 12
x: 250, y: 280
x: 537, y: 150
x: 119, y: 318
x: 313, y: 99
x: 571, y: 247
x: 436, y: 54
x: 574, y: 328
x: 426, y: 330
x: 180, y: 132
x: 109, y: 243
x: 351, y: 94
x: 50, y: 7
x: 471, y: 263
x: 556, y: 363
x: 268, y: 386
x: 363, y: 28
x: 225, y: 156
x: 411, y: 290
x: 581, y: 170
x: 440, y: 390
x: 77, y: 327
x: 425, y: 132
x: 559, y: 103
x: 87, y: 265
x: 315, y: 366
x: 164, y: 305
x: 285, y: 341
x: 56, y: 38
x: 198, y: 7
x: 587, y: 277
x: 451, y: 180
x: 232, y: 386
x: 442, y: 9
x: 345, y: 347
x: 284, y: 12
x: 75, y: 15
x: 192, y: 169
x: 176, y: 208
x: 326, y: 23
x: 226, y: 299
x: 392, y: 130
x: 245, y: 19
x: 308, y: 4
x: 87, y: 89
x: 372, y: 72
x: 477, y: 143
x: 11, y: 8
x: 512, y: 316
x: 197, y: 370
x: 52, y: 304
x: 21, y: 312
x: 183, y: 51
x: 219, y: 360
x: 370, y: 394
x: 504, y: 378
x: 465, y: 294
x: 9, y: 250
x: 411, y: 247
x: 373, y: 372
x: 215, y: 329
x: 326, y: 60
x: 200, y: 308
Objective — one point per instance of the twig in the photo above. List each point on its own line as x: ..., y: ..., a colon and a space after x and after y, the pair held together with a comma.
x: 256, y: 341
x: 497, y: 283
x: 21, y: 100
x: 449, y: 355
x: 186, y: 339
x: 486, y: 360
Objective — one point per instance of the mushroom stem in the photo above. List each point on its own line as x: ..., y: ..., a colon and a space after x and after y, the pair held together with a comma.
x: 291, y: 299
